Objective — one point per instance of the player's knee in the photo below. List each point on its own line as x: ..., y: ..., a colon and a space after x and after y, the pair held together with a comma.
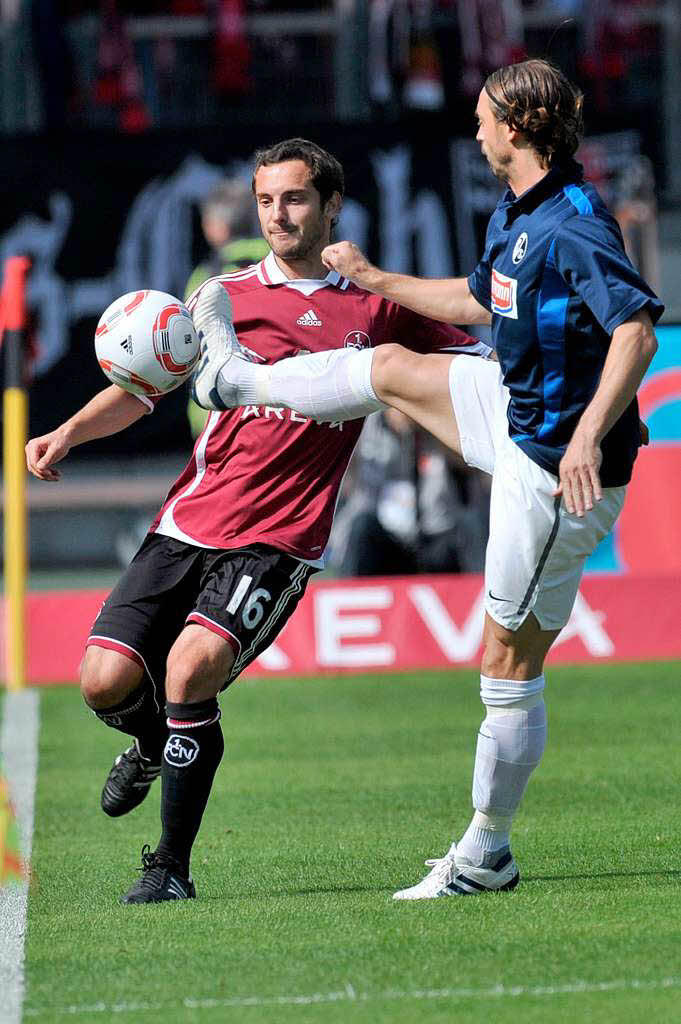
x: 387, y: 370
x: 515, y: 654
x: 504, y: 657
x: 181, y: 674
x: 107, y: 677
x: 195, y: 673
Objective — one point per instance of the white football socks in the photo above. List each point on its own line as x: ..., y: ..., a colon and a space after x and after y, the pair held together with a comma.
x: 334, y: 385
x: 510, y: 745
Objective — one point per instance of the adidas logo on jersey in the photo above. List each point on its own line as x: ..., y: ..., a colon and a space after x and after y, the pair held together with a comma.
x: 309, y: 319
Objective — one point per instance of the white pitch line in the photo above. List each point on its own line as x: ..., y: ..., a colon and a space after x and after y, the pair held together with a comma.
x: 350, y: 994
x: 18, y: 764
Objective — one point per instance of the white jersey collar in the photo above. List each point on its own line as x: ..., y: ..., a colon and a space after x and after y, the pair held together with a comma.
x: 272, y: 274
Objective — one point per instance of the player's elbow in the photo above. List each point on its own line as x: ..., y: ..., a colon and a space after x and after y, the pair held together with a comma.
x: 647, y: 343
x: 650, y: 344
x: 638, y: 337
x: 478, y: 316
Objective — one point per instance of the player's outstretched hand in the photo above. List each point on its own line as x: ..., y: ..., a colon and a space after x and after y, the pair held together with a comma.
x: 579, y: 482
x: 348, y: 260
x: 43, y: 452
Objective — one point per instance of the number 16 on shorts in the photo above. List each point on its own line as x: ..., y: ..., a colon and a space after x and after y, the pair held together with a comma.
x: 253, y: 608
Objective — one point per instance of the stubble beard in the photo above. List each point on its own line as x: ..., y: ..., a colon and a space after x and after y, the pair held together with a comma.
x: 303, y: 248
x: 499, y: 166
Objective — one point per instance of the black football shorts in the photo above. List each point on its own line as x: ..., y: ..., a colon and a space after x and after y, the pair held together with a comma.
x: 245, y: 595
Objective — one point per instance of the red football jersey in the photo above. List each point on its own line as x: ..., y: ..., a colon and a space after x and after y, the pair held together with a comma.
x: 271, y: 476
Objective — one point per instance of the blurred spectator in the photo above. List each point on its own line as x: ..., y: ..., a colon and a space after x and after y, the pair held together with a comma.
x: 635, y: 208
x: 409, y: 38
x: 230, y: 227
x: 491, y: 36
x: 411, y: 506
x: 620, y: 54
x: 118, y: 82
x: 53, y: 61
x: 232, y: 50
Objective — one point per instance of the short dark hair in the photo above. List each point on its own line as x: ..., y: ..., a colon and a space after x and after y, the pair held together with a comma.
x: 534, y: 97
x: 326, y: 172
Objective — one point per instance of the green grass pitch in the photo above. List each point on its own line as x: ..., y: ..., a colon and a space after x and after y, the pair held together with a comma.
x: 331, y: 794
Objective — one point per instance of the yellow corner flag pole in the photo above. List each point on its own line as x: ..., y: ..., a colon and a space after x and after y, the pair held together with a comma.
x: 15, y: 429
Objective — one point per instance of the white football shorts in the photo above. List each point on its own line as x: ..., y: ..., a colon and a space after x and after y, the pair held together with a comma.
x: 536, y: 549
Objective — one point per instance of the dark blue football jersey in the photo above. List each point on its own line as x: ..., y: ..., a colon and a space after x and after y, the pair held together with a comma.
x: 557, y: 281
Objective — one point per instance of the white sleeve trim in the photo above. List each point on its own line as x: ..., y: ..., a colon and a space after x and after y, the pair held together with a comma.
x: 147, y: 402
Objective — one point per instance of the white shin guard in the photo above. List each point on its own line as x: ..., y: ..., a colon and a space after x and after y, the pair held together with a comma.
x: 511, y: 742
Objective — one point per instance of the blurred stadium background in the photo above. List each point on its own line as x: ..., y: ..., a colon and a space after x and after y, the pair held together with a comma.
x: 119, y: 117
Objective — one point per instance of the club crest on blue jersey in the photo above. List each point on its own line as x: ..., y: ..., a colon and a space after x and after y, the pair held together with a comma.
x: 519, y: 249
x: 504, y: 295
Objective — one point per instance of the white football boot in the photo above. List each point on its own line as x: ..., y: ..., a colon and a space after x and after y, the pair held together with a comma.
x: 454, y: 875
x: 212, y: 316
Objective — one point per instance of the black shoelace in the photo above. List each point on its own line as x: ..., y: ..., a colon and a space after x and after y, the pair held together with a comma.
x: 155, y: 870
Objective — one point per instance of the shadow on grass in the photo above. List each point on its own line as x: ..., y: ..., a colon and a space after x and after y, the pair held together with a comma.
x: 319, y: 890
x: 661, y: 873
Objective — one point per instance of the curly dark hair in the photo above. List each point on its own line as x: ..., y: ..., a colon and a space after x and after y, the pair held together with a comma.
x: 326, y: 173
x: 536, y: 98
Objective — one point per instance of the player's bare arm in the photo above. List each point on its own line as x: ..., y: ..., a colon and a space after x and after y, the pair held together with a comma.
x: 446, y: 299
x: 109, y: 412
x: 632, y: 347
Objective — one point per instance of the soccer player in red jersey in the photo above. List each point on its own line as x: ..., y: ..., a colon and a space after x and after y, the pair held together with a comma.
x: 243, y: 527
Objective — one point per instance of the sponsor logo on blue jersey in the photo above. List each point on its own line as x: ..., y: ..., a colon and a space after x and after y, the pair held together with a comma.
x: 504, y: 295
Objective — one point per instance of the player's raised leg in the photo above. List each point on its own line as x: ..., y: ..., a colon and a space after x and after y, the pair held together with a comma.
x: 335, y: 385
x: 419, y: 386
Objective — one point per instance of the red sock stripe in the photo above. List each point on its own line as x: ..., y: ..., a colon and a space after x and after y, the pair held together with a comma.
x: 174, y: 723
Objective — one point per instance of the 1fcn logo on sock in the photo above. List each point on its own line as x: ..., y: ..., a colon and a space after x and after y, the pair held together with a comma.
x: 180, y: 751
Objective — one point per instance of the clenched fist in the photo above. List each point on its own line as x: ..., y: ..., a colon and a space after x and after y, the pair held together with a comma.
x: 349, y: 261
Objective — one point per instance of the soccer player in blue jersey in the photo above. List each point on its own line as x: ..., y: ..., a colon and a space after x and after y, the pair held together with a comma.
x: 555, y: 421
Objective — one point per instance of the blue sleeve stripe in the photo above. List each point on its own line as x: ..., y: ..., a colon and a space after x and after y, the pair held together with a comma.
x: 579, y: 199
x: 551, y: 318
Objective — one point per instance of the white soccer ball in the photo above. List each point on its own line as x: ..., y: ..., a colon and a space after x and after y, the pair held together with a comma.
x: 146, y: 342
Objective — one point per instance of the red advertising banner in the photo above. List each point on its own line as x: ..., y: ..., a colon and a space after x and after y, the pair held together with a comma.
x: 395, y: 623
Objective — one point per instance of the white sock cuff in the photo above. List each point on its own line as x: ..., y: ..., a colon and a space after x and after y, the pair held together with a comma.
x: 507, y: 693
x: 359, y: 376
x: 349, y: 393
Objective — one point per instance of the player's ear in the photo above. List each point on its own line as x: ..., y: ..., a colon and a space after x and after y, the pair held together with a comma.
x: 514, y: 135
x: 333, y: 205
